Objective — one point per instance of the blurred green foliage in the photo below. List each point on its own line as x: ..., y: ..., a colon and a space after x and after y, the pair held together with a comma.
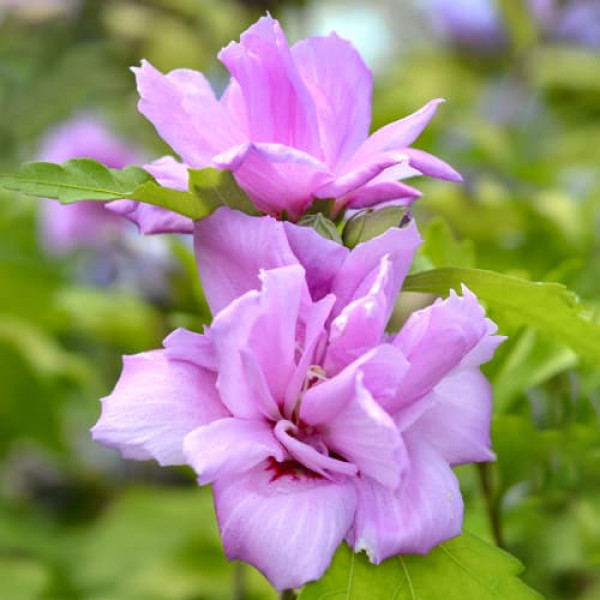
x: 521, y: 124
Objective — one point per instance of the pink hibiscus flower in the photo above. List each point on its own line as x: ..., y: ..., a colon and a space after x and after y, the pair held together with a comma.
x: 292, y: 125
x: 312, y: 423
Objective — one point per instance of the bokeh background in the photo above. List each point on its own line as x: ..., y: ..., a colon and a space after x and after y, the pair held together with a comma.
x: 521, y: 123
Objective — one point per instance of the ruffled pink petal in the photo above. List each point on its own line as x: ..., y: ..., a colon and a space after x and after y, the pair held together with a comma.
x: 311, y: 337
x: 341, y: 89
x: 376, y: 193
x: 277, y: 178
x: 309, y: 457
x: 383, y: 374
x: 361, y: 323
x: 365, y: 435
x: 397, y: 135
x: 356, y: 175
x: 426, y: 510
x: 430, y: 165
x: 320, y: 257
x: 457, y: 424
x: 169, y: 173
x: 231, y: 248
x: 229, y: 335
x: 321, y: 403
x: 254, y: 338
x: 183, y: 108
x: 154, y: 405
x: 151, y: 219
x: 257, y: 380
x: 360, y: 268
x: 435, y: 340
x: 234, y: 103
x: 288, y: 525
x: 273, y: 340
x: 227, y: 447
x: 278, y: 106
x: 192, y: 347
x: 484, y: 350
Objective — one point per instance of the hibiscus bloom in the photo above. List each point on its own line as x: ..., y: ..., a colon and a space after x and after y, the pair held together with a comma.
x: 65, y: 227
x: 311, y: 422
x: 292, y: 125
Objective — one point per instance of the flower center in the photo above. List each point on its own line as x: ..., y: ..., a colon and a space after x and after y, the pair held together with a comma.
x: 308, y: 449
x: 315, y: 374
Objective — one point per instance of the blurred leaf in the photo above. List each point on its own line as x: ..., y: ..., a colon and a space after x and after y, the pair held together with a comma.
x: 464, y: 568
x: 75, y: 180
x: 549, y: 307
x: 567, y: 67
x: 30, y: 403
x: 27, y: 289
x: 22, y: 579
x: 113, y: 316
x: 519, y: 22
x: 518, y: 448
x: 530, y: 362
x: 443, y: 249
x: 160, y: 544
x: 42, y: 352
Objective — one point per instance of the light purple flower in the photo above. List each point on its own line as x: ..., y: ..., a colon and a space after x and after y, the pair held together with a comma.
x: 64, y: 227
x: 579, y: 22
x: 312, y: 423
x: 469, y: 23
x: 479, y: 24
x: 292, y: 125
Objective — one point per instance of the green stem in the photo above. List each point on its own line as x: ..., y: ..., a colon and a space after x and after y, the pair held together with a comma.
x: 491, y: 502
x: 239, y: 581
x: 288, y: 595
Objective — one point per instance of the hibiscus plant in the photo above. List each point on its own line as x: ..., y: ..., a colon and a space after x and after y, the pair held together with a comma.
x: 327, y: 423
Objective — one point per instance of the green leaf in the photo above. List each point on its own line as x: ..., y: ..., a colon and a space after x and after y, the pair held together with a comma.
x: 370, y: 223
x: 82, y: 179
x: 184, y: 203
x: 549, y: 307
x: 443, y: 249
x: 75, y: 180
x: 322, y: 225
x: 215, y: 187
x: 324, y: 206
x: 464, y: 568
x: 208, y: 190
